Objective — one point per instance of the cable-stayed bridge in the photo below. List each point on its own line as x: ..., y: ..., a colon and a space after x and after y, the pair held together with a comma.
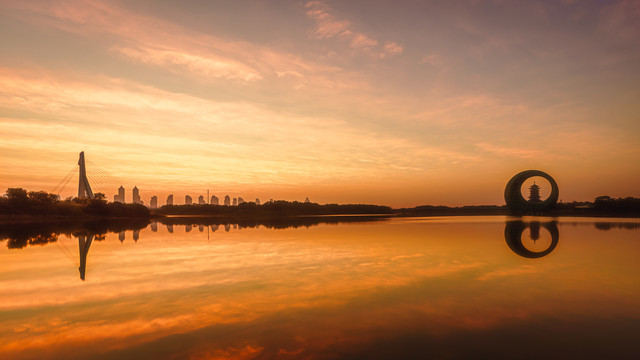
x: 93, y: 180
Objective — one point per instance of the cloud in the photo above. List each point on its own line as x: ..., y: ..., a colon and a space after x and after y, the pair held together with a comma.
x: 177, y: 49
x: 208, y: 66
x: 329, y: 27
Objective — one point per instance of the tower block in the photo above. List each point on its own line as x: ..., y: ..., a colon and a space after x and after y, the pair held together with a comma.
x: 84, y: 189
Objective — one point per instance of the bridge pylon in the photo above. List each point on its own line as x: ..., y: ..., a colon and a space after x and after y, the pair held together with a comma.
x: 84, y: 189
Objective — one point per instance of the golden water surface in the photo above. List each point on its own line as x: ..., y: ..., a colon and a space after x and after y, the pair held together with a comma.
x: 450, y: 287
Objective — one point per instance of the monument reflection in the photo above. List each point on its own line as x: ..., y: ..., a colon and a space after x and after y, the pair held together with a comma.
x: 514, y: 230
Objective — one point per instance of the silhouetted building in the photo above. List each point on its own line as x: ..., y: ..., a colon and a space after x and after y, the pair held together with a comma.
x: 170, y: 199
x: 188, y: 200
x: 240, y: 200
x: 121, y: 236
x: 227, y: 200
x: 120, y: 196
x: 227, y: 227
x: 214, y: 227
x: 214, y: 200
x: 154, y: 226
x: 201, y: 200
x: 136, y: 235
x: 170, y: 228
x: 188, y: 228
x: 235, y: 201
x: 200, y: 227
x: 136, y: 196
x: 257, y: 201
x: 534, y: 193
x: 154, y: 202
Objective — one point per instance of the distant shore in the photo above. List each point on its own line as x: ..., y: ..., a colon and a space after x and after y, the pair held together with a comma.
x: 19, y: 205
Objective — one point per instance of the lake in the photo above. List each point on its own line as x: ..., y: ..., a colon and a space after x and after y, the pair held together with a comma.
x: 325, y: 288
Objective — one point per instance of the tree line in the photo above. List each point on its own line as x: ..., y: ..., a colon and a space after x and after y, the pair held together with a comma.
x: 20, y: 202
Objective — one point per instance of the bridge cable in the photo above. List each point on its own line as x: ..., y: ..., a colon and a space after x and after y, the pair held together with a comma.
x: 65, y: 179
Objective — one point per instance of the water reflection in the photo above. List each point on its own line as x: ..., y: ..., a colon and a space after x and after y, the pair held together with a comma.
x: 30, y: 234
x: 513, y: 231
x: 19, y: 235
x: 84, y: 243
x: 405, y: 288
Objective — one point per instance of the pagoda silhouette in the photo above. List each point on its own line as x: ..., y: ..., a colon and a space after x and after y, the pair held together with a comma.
x: 534, y: 193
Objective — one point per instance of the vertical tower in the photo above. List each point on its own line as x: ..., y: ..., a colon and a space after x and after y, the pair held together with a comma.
x: 227, y: 200
x: 201, y: 200
x: 188, y: 200
x: 84, y: 189
x: 154, y: 202
x: 214, y: 200
x: 534, y: 193
x: 121, y: 194
x: 136, y: 195
x: 170, y: 199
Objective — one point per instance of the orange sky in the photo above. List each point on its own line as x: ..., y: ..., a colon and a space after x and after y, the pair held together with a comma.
x: 383, y: 102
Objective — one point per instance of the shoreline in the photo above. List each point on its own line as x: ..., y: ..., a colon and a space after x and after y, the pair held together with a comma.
x: 43, y: 219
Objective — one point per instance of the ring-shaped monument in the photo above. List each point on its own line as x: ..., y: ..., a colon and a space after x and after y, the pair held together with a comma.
x: 517, y: 203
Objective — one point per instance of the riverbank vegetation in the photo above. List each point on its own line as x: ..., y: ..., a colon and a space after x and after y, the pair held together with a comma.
x: 18, y: 202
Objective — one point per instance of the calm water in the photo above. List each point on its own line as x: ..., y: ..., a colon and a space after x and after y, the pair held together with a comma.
x: 442, y: 288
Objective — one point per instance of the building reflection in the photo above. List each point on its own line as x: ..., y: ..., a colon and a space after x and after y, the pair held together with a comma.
x: 513, y: 231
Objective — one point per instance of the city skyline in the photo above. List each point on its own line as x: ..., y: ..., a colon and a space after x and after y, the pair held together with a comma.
x: 394, y: 103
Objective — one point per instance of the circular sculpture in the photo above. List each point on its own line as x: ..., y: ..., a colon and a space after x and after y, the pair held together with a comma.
x: 517, y: 203
x: 513, y: 235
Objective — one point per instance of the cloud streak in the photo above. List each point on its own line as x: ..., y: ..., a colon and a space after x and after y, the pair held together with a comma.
x: 328, y: 26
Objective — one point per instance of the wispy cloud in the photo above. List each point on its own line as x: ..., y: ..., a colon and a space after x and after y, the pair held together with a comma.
x: 328, y: 26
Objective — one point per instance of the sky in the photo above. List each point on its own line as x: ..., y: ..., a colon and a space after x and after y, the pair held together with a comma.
x: 399, y: 103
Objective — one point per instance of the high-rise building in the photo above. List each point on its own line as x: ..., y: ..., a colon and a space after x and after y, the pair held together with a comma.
x: 257, y: 201
x: 120, y: 196
x: 235, y: 201
x: 240, y: 200
x: 170, y: 199
x: 201, y: 200
x: 188, y: 200
x: 154, y: 202
x: 214, y: 200
x: 136, y: 196
x: 227, y: 200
